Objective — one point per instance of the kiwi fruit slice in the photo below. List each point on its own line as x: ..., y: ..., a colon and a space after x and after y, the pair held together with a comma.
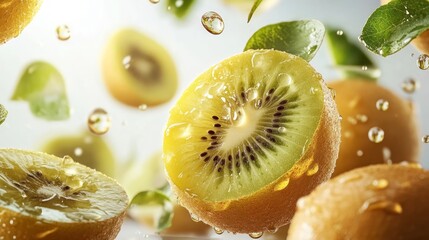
x: 46, y: 197
x: 248, y: 138
x: 375, y: 202
x: 85, y: 148
x: 15, y: 16
x: 356, y: 101
x: 137, y: 70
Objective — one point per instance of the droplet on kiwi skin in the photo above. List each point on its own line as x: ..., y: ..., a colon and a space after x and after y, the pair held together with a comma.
x: 379, y: 184
x: 423, y: 62
x: 381, y: 205
x: 376, y: 134
x: 382, y: 105
x: 218, y: 230
x: 256, y: 235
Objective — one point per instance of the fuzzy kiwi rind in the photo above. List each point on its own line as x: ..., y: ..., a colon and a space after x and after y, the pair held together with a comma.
x: 338, y: 209
x: 36, y: 219
x: 268, y: 208
x: 358, y: 97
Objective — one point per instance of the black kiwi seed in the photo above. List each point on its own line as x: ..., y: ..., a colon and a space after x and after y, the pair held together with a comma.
x: 215, y: 117
x: 213, y: 137
x: 204, y: 138
x: 280, y: 108
x: 271, y: 91
x: 283, y: 102
x: 211, y: 132
x: 203, y: 154
x: 217, y: 125
x: 277, y: 114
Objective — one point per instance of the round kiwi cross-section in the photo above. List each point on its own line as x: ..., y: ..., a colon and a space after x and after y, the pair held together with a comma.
x: 248, y: 138
x: 137, y: 70
x: 45, y: 197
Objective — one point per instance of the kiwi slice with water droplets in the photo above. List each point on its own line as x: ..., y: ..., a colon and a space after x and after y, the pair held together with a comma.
x: 45, y: 197
x: 249, y: 137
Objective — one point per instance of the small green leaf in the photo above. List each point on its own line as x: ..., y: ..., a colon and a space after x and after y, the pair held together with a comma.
x: 392, y: 26
x: 3, y: 114
x: 348, y: 56
x: 302, y: 38
x: 254, y: 7
x: 43, y: 87
x: 157, y: 205
x: 180, y: 8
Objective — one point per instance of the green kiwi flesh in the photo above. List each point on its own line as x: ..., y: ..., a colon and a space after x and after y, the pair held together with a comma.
x: 242, y: 124
x: 56, y: 189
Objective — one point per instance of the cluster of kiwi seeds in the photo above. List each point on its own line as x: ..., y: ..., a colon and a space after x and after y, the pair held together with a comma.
x: 266, y: 136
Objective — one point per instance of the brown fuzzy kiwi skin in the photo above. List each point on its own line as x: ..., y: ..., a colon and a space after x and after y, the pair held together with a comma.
x: 359, y: 97
x: 334, y: 210
x: 268, y: 209
x: 421, y: 42
x: 28, y: 228
x: 183, y: 225
x: 15, y: 17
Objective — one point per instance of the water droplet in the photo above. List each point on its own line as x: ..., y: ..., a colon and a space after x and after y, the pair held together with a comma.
x: 382, y: 105
x: 256, y: 235
x: 126, y: 61
x: 362, y: 118
x: 387, y: 154
x: 340, y: 32
x: 313, y: 169
x: 154, y: 1
x: 195, y: 218
x: 178, y: 3
x: 379, y: 184
x: 143, y: 107
x: 63, y: 32
x: 423, y: 62
x: 333, y: 93
x: 11, y: 222
x: 425, y: 139
x: 409, y: 86
x: 99, y: 121
x: 213, y: 22
x: 218, y: 230
x: 3, y: 114
x: 376, y: 134
x: 384, y: 205
x: 364, y: 68
x: 282, y: 129
x: 359, y: 153
x: 282, y: 185
x: 78, y: 151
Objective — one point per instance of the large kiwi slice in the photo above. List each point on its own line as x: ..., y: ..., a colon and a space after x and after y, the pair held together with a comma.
x: 249, y: 137
x: 14, y: 17
x: 45, y: 197
x: 138, y: 70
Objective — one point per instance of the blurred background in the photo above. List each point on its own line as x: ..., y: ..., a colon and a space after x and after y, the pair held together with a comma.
x: 137, y: 133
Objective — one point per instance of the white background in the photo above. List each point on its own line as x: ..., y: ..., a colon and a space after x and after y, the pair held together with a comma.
x: 191, y: 46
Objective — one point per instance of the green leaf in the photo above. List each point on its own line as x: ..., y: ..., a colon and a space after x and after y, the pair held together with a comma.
x: 302, y: 38
x: 43, y: 87
x: 254, y: 7
x: 156, y: 204
x: 180, y: 8
x: 348, y: 56
x: 392, y: 26
x: 3, y: 114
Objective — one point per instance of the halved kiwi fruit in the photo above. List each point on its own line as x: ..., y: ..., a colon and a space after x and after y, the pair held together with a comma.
x: 15, y: 16
x: 380, y: 202
x: 45, y: 197
x: 356, y: 101
x: 137, y: 70
x: 248, y: 138
x: 85, y: 148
